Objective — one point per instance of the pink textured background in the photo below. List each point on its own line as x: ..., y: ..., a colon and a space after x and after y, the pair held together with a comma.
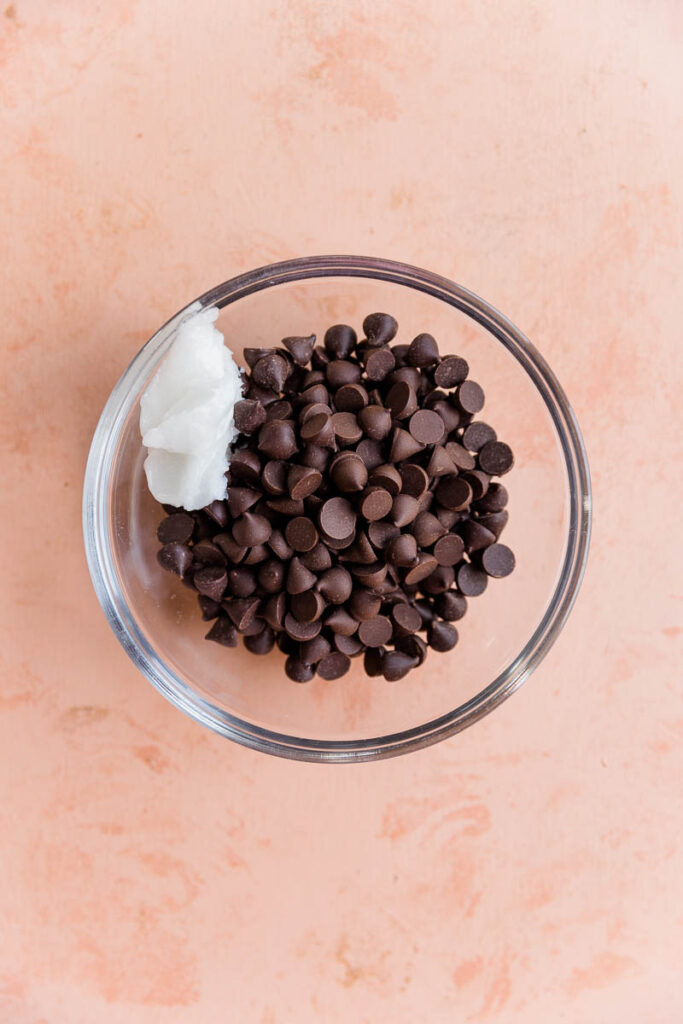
x: 530, y: 870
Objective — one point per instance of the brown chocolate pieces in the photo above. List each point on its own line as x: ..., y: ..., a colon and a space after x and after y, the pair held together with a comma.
x: 362, y: 509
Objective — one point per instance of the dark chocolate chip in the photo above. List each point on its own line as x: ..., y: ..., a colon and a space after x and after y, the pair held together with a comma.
x: 380, y: 534
x: 245, y: 467
x: 257, y: 554
x: 370, y: 452
x: 318, y: 559
x: 241, y: 582
x: 301, y: 534
x: 281, y: 410
x: 379, y: 329
x: 270, y: 372
x: 308, y: 607
x: 177, y: 528
x: 340, y: 341
x: 302, y: 481
x: 441, y: 636
x: 262, y: 643
x: 448, y: 413
x: 451, y: 370
x: 223, y: 632
x: 414, y: 479
x: 350, y: 474
x: 471, y: 581
x: 375, y: 421
x: 240, y: 499
x: 335, y: 584
x: 478, y: 481
x: 251, y: 529
x: 207, y: 553
x: 401, y: 400
x: 470, y: 397
x: 341, y: 372
x: 449, y: 550
x: 461, y: 458
x: 210, y: 609
x: 495, y: 499
x: 404, y: 510
x: 379, y: 364
x: 407, y: 618
x: 423, y: 351
x: 279, y: 546
x: 351, y: 398
x: 249, y: 415
x: 346, y: 428
x: 334, y: 665
x: 440, y: 463
x: 315, y: 649
x: 475, y: 536
x: 300, y: 349
x: 373, y: 660
x: 396, y: 665
x: 299, y: 578
x: 498, y: 560
x: 375, y: 632
x: 175, y: 558
x: 453, y: 492
x: 217, y: 512
x: 274, y: 477
x: 388, y: 477
x: 439, y: 581
x: 495, y: 521
x: 277, y: 439
x: 242, y: 611
x: 496, y: 458
x: 339, y: 621
x: 363, y: 604
x: 271, y: 576
x: 375, y: 503
x: 427, y: 529
x: 298, y: 671
x: 477, y: 434
x: 274, y: 610
x: 424, y: 567
x: 403, y: 445
x: 349, y: 645
x: 301, y: 630
x: 402, y: 550
x: 233, y: 551
x: 450, y: 606
x: 337, y: 518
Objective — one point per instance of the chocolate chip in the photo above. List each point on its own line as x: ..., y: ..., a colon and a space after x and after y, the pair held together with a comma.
x: 440, y: 463
x: 271, y: 575
x: 349, y: 645
x: 302, y: 481
x: 498, y: 560
x: 301, y: 534
x: 414, y: 479
x: 351, y: 398
x: 299, y: 578
x: 375, y: 632
x: 346, y: 427
x: 401, y: 400
x: 381, y: 533
x: 478, y: 481
x: 495, y: 522
x: 471, y: 581
x: 408, y: 375
x: 373, y: 660
x: 402, y: 550
x: 300, y: 349
x: 403, y: 445
x: 449, y: 550
x: 286, y: 506
x: 495, y: 499
x: 245, y: 467
x: 340, y: 621
x: 396, y: 665
x: 441, y: 636
x: 407, y: 618
x: 333, y: 666
x: 318, y: 559
x: 370, y: 574
x: 453, y: 492
x: 277, y: 439
x: 361, y: 551
x: 450, y: 606
x: 273, y: 611
x: 274, y: 477
x: 210, y: 609
x: 298, y: 671
x: 223, y: 632
x: 249, y: 415
x: 340, y: 341
x: 262, y: 643
x: 496, y: 458
x: 379, y: 364
x: 341, y: 372
x: 375, y: 421
x: 279, y: 546
x: 470, y: 397
x: 308, y: 607
x: 350, y: 474
x: 301, y: 630
x: 439, y: 581
x: 315, y: 457
x: 460, y: 457
x: 451, y: 370
x: 337, y: 518
x: 375, y: 503
x: 476, y: 435
x: 313, y: 650
x: 423, y: 351
x: 336, y: 584
x: 175, y: 558
x: 177, y: 528
x: 363, y: 604
x: 426, y: 426
x: 447, y: 517
x: 404, y: 510
x: 233, y: 551
x: 447, y: 412
x: 251, y: 529
x: 240, y: 499
x: 257, y: 554
x: 475, y: 536
x: 379, y: 328
x: 427, y: 529
x: 317, y: 394
x: 371, y: 453
x: 242, y: 611
x: 281, y: 410
x: 425, y: 566
x: 412, y: 645
x: 270, y: 372
x: 217, y: 512
x: 252, y: 355
x: 388, y: 477
x: 241, y: 583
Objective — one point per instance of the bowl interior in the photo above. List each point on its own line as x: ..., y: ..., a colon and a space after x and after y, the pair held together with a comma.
x: 498, y: 625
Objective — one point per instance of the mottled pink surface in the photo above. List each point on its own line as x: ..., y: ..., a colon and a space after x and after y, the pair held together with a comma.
x: 529, y: 870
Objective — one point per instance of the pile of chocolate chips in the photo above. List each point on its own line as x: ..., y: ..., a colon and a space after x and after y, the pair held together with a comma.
x: 361, y: 510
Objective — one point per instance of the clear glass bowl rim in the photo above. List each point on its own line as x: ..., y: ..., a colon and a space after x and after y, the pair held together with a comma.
x: 122, y: 620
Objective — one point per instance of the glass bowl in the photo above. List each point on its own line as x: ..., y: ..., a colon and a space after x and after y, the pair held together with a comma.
x: 507, y: 630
